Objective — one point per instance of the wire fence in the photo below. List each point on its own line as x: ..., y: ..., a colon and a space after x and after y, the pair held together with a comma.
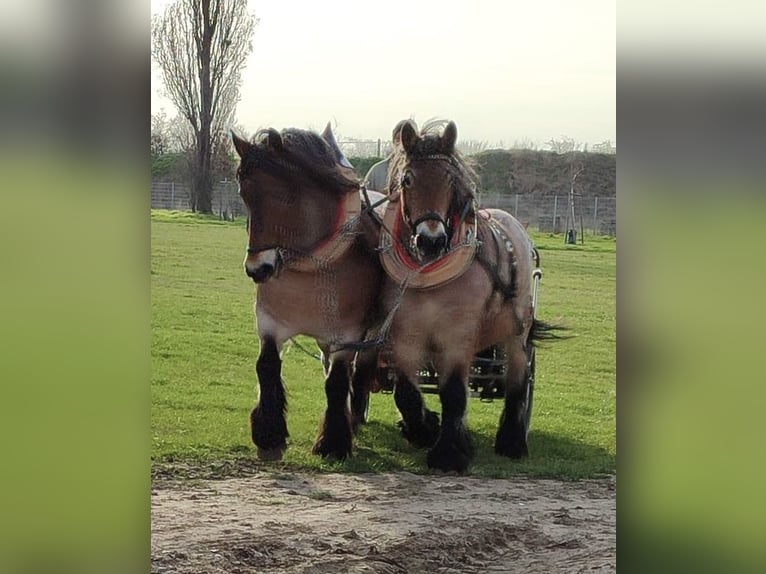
x: 365, y: 148
x: 554, y: 213
x: 177, y: 196
x: 546, y: 213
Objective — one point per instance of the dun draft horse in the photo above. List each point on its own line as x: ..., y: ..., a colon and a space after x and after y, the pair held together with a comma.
x: 459, y: 282
x: 311, y: 252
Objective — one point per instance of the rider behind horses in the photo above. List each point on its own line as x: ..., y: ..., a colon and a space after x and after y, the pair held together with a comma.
x: 377, y: 176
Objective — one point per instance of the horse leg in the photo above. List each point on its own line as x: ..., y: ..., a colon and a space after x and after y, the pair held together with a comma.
x: 365, y: 369
x: 419, y: 425
x: 267, y: 421
x: 335, y: 433
x: 511, y: 438
x: 453, y: 450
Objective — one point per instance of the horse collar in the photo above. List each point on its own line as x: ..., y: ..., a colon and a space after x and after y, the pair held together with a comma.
x: 402, y: 268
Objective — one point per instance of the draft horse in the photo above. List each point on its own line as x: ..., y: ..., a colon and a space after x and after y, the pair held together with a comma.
x: 311, y: 253
x: 460, y: 282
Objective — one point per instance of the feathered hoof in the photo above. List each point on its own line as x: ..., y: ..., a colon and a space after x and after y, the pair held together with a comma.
x: 271, y: 454
x: 454, y: 455
x: 512, y: 445
x: 335, y: 438
x: 268, y: 431
x: 423, y: 435
x: 330, y: 451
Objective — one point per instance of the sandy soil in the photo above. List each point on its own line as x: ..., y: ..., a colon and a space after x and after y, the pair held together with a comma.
x: 388, y: 523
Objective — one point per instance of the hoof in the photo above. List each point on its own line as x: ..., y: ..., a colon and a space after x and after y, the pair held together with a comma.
x: 510, y: 444
x: 453, y: 452
x: 423, y: 435
x: 449, y: 458
x: 330, y: 452
x: 335, y: 438
x: 515, y: 451
x: 271, y: 454
x: 268, y: 430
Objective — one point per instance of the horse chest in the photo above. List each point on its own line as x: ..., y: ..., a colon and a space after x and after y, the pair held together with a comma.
x: 453, y: 312
x: 325, y: 304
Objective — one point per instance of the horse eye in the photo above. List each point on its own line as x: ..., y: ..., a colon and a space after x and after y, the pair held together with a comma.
x: 407, y: 179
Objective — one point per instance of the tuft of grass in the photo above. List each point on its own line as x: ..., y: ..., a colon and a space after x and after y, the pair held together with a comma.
x: 204, y: 386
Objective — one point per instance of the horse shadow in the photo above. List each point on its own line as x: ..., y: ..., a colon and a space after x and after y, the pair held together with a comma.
x: 380, y: 446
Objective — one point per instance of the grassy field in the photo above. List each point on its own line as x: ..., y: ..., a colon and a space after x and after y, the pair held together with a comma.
x: 204, y: 350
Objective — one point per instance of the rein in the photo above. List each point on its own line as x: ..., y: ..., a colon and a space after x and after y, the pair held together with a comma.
x: 369, y: 207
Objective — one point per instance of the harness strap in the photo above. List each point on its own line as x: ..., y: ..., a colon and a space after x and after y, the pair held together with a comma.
x: 504, y: 245
x: 335, y: 245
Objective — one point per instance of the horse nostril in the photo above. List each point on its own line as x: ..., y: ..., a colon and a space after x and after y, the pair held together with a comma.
x: 431, y: 245
x: 261, y: 274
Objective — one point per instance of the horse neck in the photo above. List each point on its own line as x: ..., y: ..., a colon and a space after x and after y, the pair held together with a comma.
x: 317, y: 213
x: 333, y: 218
x: 342, y: 201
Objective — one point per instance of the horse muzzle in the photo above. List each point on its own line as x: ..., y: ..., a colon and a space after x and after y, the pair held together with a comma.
x: 262, y: 266
x: 430, y: 239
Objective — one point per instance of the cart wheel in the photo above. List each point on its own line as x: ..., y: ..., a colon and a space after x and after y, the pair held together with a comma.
x: 366, y: 412
x: 530, y: 390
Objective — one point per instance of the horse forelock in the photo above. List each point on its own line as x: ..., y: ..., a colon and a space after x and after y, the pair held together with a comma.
x: 304, y: 155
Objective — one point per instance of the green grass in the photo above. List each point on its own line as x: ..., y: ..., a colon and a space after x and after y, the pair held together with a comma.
x: 204, y: 349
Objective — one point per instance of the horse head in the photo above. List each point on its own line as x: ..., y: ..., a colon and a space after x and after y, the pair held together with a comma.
x: 292, y: 183
x: 436, y: 187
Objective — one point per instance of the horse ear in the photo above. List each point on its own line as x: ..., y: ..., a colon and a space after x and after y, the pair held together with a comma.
x: 242, y: 146
x: 449, y: 138
x: 409, y: 135
x: 327, y: 134
x: 274, y: 139
x: 329, y: 137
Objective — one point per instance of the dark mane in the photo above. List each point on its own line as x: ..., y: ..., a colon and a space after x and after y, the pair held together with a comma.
x: 305, y: 155
x: 465, y: 179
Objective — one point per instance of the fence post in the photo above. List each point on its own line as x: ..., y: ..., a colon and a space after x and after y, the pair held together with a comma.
x: 595, y: 216
x: 379, y: 148
x: 172, y: 195
x: 555, y: 205
x: 516, y: 207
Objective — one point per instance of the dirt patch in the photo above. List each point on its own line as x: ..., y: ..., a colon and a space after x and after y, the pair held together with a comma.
x: 384, y: 523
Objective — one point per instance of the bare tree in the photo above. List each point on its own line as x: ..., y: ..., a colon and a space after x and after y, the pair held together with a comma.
x: 160, y: 134
x: 563, y: 145
x: 604, y: 147
x: 201, y: 47
x: 524, y: 143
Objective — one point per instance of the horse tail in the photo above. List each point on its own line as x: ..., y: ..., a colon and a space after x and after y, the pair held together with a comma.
x: 542, y: 331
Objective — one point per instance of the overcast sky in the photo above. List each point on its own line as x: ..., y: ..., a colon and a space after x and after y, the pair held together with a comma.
x: 505, y: 71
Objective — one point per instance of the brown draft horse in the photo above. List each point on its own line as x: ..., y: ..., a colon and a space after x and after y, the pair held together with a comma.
x: 464, y: 284
x: 311, y: 252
